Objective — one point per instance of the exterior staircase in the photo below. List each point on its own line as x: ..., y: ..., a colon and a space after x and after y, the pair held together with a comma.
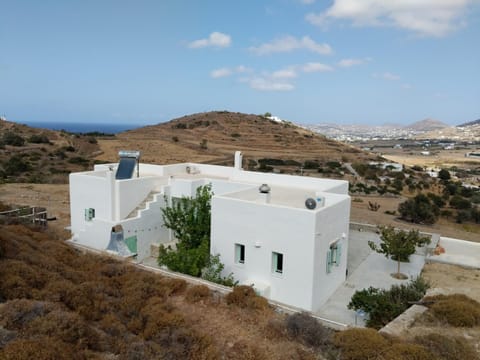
x: 142, y: 205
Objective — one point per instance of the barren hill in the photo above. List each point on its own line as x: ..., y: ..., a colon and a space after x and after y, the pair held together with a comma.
x: 427, y: 125
x: 212, y: 137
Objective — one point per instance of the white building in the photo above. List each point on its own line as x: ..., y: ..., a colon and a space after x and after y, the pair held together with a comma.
x: 289, y: 239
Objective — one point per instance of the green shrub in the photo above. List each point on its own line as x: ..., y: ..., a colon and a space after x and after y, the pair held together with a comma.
x: 10, y: 138
x: 458, y: 202
x: 383, y: 306
x: 213, y: 272
x: 15, y: 166
x: 78, y: 160
x: 39, y: 139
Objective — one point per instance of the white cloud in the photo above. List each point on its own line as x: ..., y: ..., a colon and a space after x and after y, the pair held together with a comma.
x: 307, y: 2
x: 225, y: 71
x: 215, y: 39
x: 291, y: 43
x: 243, y: 69
x: 316, y: 67
x: 352, y: 62
x: 425, y: 17
x: 406, y: 86
x: 386, y: 76
x: 222, y: 72
x: 288, y: 73
x: 264, y: 84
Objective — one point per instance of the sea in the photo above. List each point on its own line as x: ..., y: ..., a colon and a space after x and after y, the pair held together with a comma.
x: 84, y: 127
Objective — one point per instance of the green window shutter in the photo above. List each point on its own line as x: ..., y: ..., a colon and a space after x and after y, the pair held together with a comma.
x: 338, y: 255
x: 86, y: 215
x: 329, y: 262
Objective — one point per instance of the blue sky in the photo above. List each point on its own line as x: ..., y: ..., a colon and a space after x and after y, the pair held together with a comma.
x: 341, y: 61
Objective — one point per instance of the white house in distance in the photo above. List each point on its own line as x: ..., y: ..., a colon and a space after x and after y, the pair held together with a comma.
x: 285, y: 235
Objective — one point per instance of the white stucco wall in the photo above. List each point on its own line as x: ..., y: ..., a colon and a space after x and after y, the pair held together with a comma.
x: 332, y: 223
x: 264, y: 229
x: 132, y: 192
x: 88, y: 191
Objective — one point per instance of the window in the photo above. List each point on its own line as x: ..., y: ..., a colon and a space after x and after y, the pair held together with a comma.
x: 89, y: 214
x: 334, y: 255
x: 239, y: 253
x: 277, y: 263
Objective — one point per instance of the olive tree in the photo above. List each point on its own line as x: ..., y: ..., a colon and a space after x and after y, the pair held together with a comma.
x: 398, y: 245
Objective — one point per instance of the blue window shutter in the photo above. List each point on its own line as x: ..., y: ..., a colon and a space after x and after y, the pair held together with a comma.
x: 338, y: 255
x: 329, y: 262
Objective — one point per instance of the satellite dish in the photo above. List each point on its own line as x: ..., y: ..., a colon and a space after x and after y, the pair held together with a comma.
x: 310, y: 203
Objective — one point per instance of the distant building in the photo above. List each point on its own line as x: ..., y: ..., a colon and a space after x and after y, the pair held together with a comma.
x: 474, y: 154
x: 285, y: 235
x: 395, y: 167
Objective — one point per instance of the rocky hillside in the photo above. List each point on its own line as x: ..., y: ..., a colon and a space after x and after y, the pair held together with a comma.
x: 36, y: 155
x: 213, y: 137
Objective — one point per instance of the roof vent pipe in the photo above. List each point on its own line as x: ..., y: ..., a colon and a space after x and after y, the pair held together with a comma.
x: 264, y: 190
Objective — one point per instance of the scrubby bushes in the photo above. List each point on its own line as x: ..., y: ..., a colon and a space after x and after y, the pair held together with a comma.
x: 197, y: 293
x: 245, y: 297
x: 10, y: 138
x: 456, y: 310
x: 305, y: 328
x: 447, y: 347
x: 87, y: 306
x: 360, y: 344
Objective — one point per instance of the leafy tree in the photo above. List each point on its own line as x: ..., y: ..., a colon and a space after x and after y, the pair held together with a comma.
x: 444, y: 175
x: 189, y: 219
x: 419, y: 210
x: 398, y: 245
x: 437, y: 200
x: 460, y: 203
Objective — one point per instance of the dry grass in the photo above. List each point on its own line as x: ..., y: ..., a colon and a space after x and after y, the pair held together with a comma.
x: 456, y: 310
x: 86, y: 306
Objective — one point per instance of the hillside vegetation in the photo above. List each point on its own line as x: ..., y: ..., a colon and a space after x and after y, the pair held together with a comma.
x: 213, y: 137
x: 36, y: 155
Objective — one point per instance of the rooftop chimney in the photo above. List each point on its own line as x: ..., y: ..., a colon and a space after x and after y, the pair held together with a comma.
x: 238, y: 160
x: 264, y: 190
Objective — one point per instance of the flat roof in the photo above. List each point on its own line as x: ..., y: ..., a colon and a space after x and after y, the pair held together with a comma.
x: 286, y: 196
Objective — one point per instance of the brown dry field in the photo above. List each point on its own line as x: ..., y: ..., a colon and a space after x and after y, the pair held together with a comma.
x: 439, y: 159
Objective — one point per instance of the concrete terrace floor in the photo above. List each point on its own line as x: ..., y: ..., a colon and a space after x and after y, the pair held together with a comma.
x: 365, y: 268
